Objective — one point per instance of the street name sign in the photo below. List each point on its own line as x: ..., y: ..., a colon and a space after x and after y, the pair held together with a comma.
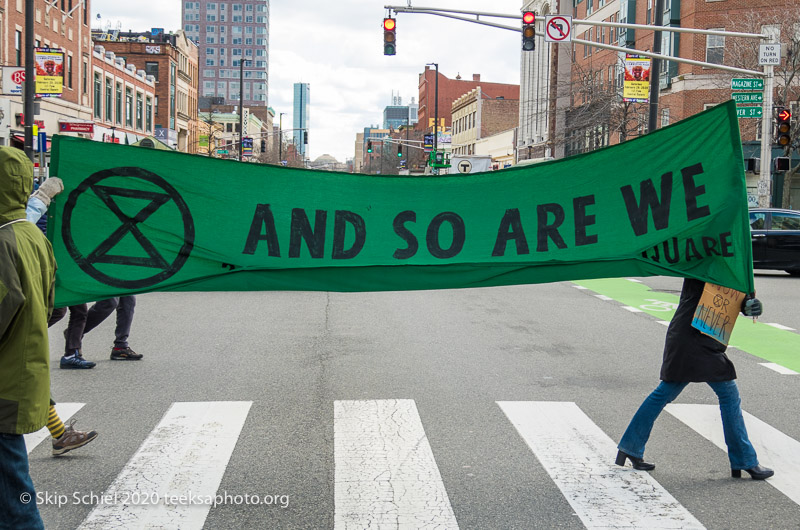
x: 739, y: 83
x: 748, y: 97
x: 749, y: 112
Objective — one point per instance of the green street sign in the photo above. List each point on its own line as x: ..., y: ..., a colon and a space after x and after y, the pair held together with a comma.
x: 222, y: 151
x: 739, y: 83
x: 748, y: 97
x: 749, y: 112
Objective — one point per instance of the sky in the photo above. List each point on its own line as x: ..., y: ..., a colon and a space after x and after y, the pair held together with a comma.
x: 337, y: 47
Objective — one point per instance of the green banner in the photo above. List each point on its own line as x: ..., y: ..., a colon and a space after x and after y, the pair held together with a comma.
x: 133, y: 220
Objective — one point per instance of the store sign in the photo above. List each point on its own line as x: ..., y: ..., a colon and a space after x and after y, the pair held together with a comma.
x: 13, y: 76
x: 76, y: 126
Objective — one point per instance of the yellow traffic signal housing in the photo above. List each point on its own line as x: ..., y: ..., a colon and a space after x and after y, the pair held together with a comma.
x: 389, y: 36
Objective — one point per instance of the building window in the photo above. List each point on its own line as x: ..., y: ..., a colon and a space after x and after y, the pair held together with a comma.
x: 649, y: 16
x: 98, y: 96
x: 151, y: 68
x: 156, y: 105
x: 118, y: 113
x: 128, y: 107
x: 664, y: 117
x: 109, y: 100
x: 139, y: 111
x: 69, y: 71
x: 85, y: 78
x: 18, y: 46
x: 715, y: 48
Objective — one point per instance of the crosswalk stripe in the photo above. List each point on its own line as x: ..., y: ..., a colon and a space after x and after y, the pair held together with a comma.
x: 385, y: 473
x: 775, y: 449
x: 65, y: 411
x: 185, y: 455
x: 579, y: 456
x: 778, y: 368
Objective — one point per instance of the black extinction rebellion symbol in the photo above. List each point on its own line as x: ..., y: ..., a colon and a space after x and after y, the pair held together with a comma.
x: 102, y: 253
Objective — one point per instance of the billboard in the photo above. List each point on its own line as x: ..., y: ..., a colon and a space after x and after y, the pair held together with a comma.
x: 636, y: 87
x: 49, y: 64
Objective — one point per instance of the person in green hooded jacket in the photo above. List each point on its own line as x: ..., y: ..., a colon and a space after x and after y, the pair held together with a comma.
x: 27, y: 280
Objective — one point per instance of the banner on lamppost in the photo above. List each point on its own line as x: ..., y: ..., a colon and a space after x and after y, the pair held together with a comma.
x: 636, y: 87
x: 49, y: 64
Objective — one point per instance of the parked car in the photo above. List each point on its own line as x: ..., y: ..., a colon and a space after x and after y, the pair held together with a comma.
x: 776, y: 239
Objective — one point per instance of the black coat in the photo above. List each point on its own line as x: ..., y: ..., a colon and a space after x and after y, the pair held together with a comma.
x: 689, y: 355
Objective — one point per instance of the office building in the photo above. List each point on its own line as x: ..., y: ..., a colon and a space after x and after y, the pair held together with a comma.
x: 227, y: 32
x: 300, y: 121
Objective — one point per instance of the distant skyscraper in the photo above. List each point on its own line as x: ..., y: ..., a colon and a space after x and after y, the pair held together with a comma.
x: 302, y: 92
x: 227, y: 32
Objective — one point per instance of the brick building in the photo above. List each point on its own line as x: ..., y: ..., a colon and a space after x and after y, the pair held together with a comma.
x: 123, y: 98
x: 449, y: 90
x: 477, y: 115
x: 63, y: 25
x: 172, y: 61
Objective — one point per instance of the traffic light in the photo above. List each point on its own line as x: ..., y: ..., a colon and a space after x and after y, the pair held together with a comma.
x: 528, y: 31
x: 389, y: 36
x: 305, y: 137
x: 399, y: 150
x: 783, y: 129
x: 369, y: 147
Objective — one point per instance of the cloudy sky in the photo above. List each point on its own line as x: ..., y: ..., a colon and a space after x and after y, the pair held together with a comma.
x: 337, y: 47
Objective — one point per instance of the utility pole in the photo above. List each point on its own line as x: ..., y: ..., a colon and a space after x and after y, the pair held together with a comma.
x: 655, y: 69
x: 29, y: 80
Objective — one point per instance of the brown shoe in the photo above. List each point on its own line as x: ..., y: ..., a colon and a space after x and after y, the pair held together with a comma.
x: 72, y: 439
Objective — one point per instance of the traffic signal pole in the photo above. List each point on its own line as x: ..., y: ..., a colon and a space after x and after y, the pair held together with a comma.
x: 765, y: 173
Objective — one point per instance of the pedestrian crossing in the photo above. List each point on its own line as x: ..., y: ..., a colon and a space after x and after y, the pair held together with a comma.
x: 386, y: 474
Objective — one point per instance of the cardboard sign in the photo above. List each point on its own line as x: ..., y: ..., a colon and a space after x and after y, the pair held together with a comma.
x: 717, y: 311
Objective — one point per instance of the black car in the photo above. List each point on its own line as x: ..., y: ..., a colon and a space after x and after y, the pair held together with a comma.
x: 776, y: 239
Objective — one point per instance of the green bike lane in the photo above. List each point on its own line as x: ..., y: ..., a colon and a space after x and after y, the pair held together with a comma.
x: 774, y: 345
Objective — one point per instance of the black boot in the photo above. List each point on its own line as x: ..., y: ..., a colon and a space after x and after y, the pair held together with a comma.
x: 637, y: 463
x: 756, y: 473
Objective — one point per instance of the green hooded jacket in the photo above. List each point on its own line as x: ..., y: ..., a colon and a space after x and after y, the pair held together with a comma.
x: 27, y: 280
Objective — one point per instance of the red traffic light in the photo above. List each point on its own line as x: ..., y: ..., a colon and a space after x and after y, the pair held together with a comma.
x: 784, y: 115
x: 528, y: 17
x: 389, y: 24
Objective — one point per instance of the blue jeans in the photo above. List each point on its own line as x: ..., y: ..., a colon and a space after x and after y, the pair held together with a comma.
x: 16, y: 486
x: 740, y: 451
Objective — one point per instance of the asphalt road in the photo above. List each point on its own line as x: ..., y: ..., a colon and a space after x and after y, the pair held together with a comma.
x: 456, y: 354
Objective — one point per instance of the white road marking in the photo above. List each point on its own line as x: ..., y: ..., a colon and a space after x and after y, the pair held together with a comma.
x: 633, y: 280
x: 603, y: 297
x: 778, y: 368
x: 632, y: 309
x: 664, y: 322
x: 186, y: 454
x: 775, y: 449
x: 581, y: 287
x: 65, y: 411
x: 779, y: 326
x: 386, y: 476
x: 579, y: 457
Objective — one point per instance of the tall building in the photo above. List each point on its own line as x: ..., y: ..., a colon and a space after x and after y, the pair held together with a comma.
x: 398, y: 115
x: 227, y: 32
x: 302, y: 93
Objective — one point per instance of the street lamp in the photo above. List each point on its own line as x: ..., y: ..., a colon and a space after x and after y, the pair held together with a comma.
x: 280, y: 138
x: 241, y: 105
x: 436, y: 108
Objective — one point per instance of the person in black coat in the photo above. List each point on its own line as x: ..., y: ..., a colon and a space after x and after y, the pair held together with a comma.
x: 693, y: 357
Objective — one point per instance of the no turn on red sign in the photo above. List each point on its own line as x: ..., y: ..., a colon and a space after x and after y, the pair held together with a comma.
x: 557, y: 28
